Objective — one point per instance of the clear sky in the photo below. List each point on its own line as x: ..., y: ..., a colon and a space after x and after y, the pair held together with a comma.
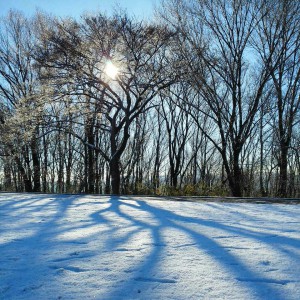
x: 74, y: 8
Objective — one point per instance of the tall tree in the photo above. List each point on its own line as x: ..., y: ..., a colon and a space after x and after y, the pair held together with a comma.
x: 119, y: 63
x: 19, y: 90
x: 278, y: 45
x: 215, y: 45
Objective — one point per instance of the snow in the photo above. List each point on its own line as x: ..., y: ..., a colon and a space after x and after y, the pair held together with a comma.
x: 93, y: 247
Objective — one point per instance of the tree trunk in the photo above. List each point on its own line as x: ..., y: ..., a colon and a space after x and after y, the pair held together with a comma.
x: 116, y: 153
x: 174, y: 179
x: 236, y: 187
x: 115, y: 175
x: 107, y: 180
x: 36, y: 165
x: 7, y: 177
x: 26, y: 179
x: 283, y: 174
x: 69, y: 162
x: 234, y: 174
x: 60, y: 173
x: 91, y: 161
x: 263, y: 191
x: 45, y: 164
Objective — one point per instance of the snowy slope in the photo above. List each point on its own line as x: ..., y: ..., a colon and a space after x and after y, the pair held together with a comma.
x: 89, y: 247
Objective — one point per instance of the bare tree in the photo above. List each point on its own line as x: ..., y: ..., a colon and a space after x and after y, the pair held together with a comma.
x: 80, y: 53
x: 215, y: 48
x: 178, y: 131
x: 278, y: 45
x: 19, y: 91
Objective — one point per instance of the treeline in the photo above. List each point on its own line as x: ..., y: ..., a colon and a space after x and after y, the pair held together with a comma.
x: 202, y: 101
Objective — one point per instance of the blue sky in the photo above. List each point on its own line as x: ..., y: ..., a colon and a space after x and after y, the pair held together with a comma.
x: 139, y: 8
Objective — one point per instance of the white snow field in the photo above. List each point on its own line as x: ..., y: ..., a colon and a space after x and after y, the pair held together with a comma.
x: 93, y: 247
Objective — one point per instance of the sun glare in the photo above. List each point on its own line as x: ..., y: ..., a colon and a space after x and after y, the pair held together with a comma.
x: 111, y: 70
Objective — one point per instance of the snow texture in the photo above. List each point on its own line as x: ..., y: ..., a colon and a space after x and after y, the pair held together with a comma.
x: 93, y: 247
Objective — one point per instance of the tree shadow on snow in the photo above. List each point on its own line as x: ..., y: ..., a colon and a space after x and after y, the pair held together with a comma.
x: 30, y: 227
x: 137, y: 238
x: 157, y: 220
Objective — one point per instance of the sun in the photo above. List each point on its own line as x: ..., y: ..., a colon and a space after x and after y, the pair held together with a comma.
x: 111, y: 70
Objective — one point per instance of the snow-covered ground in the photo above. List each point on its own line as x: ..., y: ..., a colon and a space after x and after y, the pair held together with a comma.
x: 91, y: 247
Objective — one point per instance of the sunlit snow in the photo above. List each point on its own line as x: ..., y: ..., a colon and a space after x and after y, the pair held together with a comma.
x: 92, y: 247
